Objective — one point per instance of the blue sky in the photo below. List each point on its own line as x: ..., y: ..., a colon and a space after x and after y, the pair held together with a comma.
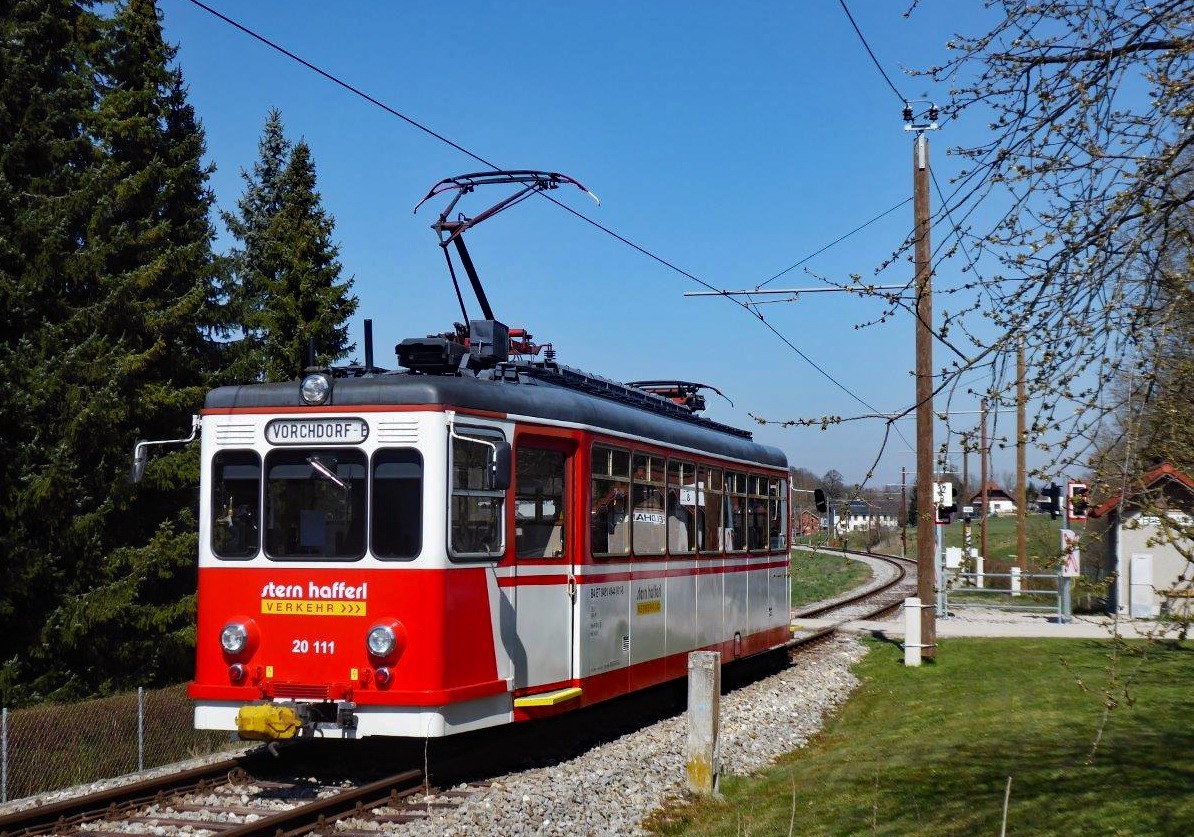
x: 732, y: 140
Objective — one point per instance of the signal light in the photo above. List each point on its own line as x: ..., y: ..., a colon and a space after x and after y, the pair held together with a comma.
x: 1076, y: 495
x: 1053, y: 492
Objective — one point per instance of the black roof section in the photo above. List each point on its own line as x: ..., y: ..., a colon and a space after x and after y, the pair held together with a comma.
x: 538, y: 390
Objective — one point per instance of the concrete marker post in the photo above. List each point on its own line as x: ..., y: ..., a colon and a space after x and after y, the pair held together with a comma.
x: 1015, y: 581
x: 704, y: 711
x: 912, y: 631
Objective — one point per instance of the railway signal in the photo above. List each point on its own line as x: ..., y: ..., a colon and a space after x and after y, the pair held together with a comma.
x: 1076, y: 499
x: 1053, y: 492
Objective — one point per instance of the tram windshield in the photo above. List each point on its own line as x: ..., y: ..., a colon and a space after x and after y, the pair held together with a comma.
x: 315, y: 502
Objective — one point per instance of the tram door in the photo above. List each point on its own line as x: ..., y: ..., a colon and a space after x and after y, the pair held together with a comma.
x: 544, y: 590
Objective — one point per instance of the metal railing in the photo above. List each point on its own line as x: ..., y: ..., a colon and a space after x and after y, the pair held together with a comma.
x: 1014, y: 589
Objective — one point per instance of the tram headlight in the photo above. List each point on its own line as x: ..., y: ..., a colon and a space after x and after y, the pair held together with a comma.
x: 315, y: 389
x: 386, y: 641
x: 381, y: 641
x: 240, y: 637
x: 234, y: 638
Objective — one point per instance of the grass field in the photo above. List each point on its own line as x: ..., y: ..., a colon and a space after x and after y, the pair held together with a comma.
x: 929, y: 750
x: 818, y: 575
x: 1041, y: 533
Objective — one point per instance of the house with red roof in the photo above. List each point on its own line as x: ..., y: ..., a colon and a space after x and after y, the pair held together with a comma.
x: 998, y: 501
x: 1143, y: 538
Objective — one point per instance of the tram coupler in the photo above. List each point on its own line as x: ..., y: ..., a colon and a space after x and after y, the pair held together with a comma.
x: 346, y: 719
x: 268, y: 722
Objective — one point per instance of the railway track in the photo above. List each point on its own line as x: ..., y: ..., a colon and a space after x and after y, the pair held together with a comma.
x: 876, y: 600
x: 255, y: 795
x: 223, y: 799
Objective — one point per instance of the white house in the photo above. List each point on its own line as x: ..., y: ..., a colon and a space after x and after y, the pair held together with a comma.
x: 998, y: 501
x: 1141, y: 539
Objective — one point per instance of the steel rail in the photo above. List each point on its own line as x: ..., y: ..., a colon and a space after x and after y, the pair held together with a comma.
x: 324, y: 812
x: 71, y: 812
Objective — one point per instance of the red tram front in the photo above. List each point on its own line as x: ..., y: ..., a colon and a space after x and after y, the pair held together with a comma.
x: 420, y: 554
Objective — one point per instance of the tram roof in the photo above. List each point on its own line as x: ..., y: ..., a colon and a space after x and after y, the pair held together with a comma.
x: 537, y: 396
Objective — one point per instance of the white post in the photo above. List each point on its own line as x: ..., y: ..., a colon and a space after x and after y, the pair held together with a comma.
x: 978, y: 570
x: 912, y: 631
x: 704, y: 696
x: 1015, y: 581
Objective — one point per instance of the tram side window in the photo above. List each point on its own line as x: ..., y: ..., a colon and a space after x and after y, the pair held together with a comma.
x: 538, y: 502
x: 315, y: 504
x: 235, y: 504
x: 778, y: 514
x: 397, y: 503
x: 609, y: 518
x: 476, y: 513
x: 681, y: 507
x: 735, y: 503
x: 757, y: 517
x: 648, y: 513
x: 709, y: 513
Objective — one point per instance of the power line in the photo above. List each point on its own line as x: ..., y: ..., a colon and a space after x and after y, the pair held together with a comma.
x: 420, y: 126
x: 836, y: 241
x: 878, y: 66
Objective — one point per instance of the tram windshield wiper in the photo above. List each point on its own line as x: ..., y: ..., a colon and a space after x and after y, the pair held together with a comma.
x: 324, y: 471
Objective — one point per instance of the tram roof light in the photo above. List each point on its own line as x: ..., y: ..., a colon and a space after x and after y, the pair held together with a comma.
x: 316, y: 389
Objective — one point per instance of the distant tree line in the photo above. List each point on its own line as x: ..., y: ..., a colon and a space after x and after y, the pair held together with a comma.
x: 119, y: 317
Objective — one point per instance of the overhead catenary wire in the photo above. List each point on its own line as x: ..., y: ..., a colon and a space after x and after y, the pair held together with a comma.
x: 472, y: 155
x: 871, y: 53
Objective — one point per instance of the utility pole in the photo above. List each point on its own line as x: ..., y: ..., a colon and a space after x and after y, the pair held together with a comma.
x: 926, y: 518
x: 1021, y: 468
x: 966, y: 437
x: 982, y: 454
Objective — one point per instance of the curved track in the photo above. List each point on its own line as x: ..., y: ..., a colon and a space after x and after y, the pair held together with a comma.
x: 871, y: 601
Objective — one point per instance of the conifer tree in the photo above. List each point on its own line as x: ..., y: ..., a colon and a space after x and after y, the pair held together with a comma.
x: 48, y: 186
x: 287, y: 288
x: 306, y: 300
x: 257, y: 207
x: 127, y: 357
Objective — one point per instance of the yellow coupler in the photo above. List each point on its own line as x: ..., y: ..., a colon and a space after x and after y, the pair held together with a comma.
x: 267, y: 722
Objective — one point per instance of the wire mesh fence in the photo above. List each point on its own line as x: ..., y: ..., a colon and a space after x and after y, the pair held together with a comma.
x: 52, y: 746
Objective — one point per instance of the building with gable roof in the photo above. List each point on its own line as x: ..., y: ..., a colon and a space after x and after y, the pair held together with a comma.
x: 1143, y: 542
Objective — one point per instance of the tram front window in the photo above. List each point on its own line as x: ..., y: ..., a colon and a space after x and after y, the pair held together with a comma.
x: 315, y: 504
x: 235, y: 501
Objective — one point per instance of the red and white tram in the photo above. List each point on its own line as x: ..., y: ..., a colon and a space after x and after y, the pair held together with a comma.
x: 365, y: 570
x: 480, y: 539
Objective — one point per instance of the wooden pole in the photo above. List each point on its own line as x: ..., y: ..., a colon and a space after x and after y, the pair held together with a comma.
x: 1021, y: 467
x: 926, y: 518
x: 982, y: 458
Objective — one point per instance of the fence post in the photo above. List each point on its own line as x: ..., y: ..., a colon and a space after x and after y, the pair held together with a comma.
x: 912, y: 631
x: 1015, y: 581
x: 704, y: 695
x: 978, y: 571
x: 4, y: 754
x: 140, y: 728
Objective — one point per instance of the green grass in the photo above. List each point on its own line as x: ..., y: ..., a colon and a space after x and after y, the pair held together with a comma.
x: 1042, y: 538
x: 817, y: 576
x: 929, y: 750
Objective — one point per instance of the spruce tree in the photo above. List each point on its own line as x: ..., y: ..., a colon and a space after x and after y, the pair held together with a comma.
x: 48, y: 188
x: 133, y: 361
x: 249, y: 270
x: 306, y: 301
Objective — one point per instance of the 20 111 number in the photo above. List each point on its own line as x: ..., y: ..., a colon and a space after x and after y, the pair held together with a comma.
x: 319, y: 646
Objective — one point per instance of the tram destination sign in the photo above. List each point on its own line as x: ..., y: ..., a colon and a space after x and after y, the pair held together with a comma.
x: 320, y: 431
